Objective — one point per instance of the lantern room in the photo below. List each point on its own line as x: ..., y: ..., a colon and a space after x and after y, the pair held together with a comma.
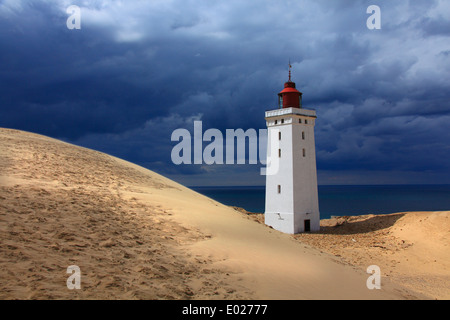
x: 290, y: 97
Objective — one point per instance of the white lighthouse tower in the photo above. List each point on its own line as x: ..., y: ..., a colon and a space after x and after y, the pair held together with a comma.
x: 291, y: 179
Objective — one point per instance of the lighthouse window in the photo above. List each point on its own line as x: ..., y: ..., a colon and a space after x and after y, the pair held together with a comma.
x: 303, y: 135
x: 299, y: 120
x: 306, y: 121
x: 279, y: 135
x: 304, y: 152
x: 279, y: 153
x: 276, y: 121
x: 282, y: 120
x: 279, y: 189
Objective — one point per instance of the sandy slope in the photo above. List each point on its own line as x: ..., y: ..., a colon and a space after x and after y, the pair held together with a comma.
x: 411, y: 248
x: 137, y: 235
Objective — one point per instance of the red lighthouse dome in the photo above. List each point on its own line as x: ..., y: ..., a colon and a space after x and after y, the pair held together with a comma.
x: 290, y: 97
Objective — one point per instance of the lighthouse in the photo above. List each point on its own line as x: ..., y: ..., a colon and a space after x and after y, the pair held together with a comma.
x: 292, y: 204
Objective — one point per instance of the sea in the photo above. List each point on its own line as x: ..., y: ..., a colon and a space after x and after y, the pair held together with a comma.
x: 345, y: 200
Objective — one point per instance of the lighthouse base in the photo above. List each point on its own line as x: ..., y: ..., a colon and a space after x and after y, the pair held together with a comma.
x: 293, y: 223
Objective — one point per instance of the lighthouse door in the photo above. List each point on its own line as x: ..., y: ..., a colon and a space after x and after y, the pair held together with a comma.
x: 307, y: 225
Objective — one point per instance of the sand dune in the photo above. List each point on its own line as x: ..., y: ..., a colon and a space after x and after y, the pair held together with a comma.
x: 411, y: 248
x: 137, y: 235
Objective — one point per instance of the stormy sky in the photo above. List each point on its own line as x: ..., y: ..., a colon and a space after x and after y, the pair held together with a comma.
x: 138, y: 70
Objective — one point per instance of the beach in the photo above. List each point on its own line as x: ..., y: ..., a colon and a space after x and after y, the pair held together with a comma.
x: 135, y: 234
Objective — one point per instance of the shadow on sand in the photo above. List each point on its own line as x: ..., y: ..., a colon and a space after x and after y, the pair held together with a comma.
x: 355, y: 224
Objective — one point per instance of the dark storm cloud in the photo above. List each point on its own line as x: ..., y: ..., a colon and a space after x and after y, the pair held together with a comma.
x: 436, y: 27
x: 137, y: 70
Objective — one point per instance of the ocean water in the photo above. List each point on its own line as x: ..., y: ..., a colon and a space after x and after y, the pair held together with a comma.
x: 346, y: 200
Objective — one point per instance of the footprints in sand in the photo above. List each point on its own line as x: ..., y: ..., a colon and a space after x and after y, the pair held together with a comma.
x: 119, y: 248
x: 62, y: 205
